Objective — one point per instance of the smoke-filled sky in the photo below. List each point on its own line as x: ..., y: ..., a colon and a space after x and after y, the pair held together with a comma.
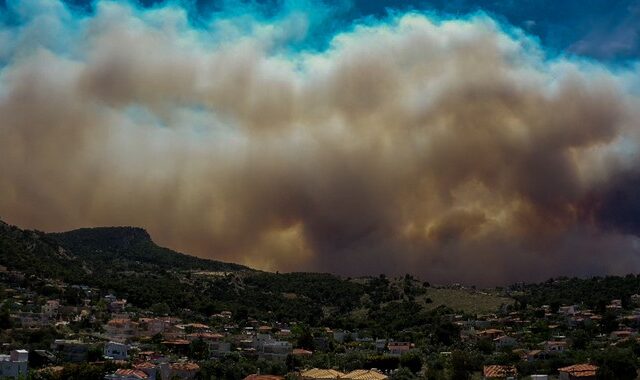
x: 458, y: 141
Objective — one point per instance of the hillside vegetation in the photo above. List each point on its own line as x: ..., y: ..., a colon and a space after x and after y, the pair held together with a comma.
x: 125, y: 261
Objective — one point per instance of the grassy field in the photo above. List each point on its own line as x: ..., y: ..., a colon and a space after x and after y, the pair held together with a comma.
x: 467, y: 300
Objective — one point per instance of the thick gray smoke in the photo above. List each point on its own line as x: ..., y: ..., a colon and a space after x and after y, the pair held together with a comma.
x: 452, y: 149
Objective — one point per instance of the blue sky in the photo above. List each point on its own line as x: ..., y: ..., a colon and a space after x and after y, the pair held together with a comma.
x: 602, y: 29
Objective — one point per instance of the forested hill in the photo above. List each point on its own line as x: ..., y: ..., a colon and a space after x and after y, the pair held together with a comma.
x: 130, y: 248
x: 76, y: 255
x: 594, y: 293
x: 34, y: 253
x: 126, y: 262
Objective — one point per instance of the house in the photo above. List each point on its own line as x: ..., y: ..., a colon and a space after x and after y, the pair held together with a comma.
x: 499, y: 372
x: 152, y: 326
x: 578, y: 372
x: 121, y: 329
x: 399, y: 348
x: 554, y: 346
x: 321, y: 374
x: 127, y: 374
x: 275, y: 350
x: 185, y: 370
x: 205, y: 336
x: 193, y: 328
x: 534, y: 355
x: 116, y: 351
x: 505, y: 341
x: 158, y: 371
x: 490, y: 333
x: 365, y: 374
x: 117, y: 306
x: 260, y: 339
x: 568, y: 310
x: 15, y: 365
x: 621, y: 335
x: 149, y: 368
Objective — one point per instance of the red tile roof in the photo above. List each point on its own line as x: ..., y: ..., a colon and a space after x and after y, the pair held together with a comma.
x: 177, y: 342
x: 185, y: 367
x: 145, y: 365
x: 580, y: 370
x: 499, y: 371
x: 132, y: 373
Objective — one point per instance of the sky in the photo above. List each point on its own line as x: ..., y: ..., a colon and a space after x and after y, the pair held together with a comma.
x: 483, y: 142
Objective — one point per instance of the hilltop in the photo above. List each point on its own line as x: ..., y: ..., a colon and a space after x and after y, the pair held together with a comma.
x: 76, y: 255
x: 127, y: 248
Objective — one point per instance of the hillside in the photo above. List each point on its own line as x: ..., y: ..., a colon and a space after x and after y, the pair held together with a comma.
x: 131, y: 248
x: 33, y: 252
x: 125, y: 261
x: 595, y: 293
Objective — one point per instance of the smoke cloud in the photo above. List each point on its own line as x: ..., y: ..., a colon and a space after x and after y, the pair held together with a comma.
x: 454, y: 149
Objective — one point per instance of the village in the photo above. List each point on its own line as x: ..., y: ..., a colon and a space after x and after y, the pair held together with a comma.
x: 42, y: 338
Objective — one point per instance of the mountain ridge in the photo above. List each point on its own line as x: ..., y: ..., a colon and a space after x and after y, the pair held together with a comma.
x: 113, y: 244
x: 73, y: 254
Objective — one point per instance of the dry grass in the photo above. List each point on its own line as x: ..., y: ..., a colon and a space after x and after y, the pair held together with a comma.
x: 467, y: 300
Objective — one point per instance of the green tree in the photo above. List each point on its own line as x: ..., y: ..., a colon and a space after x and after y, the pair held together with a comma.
x: 199, y: 349
x: 411, y: 360
x: 403, y: 373
x: 618, y: 364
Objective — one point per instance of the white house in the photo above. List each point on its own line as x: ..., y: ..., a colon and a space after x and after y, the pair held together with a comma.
x: 275, y: 350
x: 554, y: 347
x: 568, y: 310
x: 116, y: 351
x: 15, y: 364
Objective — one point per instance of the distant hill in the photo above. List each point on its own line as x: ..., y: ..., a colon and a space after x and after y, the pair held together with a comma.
x: 131, y: 248
x: 33, y: 252
x: 75, y: 256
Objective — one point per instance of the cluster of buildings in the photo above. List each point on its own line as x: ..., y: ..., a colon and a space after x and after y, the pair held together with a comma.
x: 153, y: 347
